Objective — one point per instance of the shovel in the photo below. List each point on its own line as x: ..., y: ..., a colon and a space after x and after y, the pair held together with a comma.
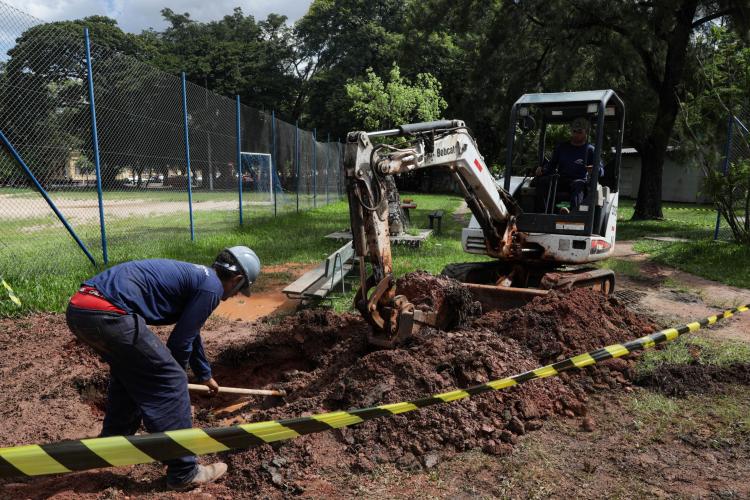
x: 238, y: 390
x: 275, y: 399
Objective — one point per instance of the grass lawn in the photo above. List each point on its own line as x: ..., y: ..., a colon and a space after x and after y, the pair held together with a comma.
x: 716, y: 260
x: 47, y: 270
x: 45, y: 266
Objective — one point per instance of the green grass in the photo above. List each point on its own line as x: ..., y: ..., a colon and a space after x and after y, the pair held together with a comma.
x: 622, y: 267
x: 45, y: 267
x: 713, y: 420
x: 695, y: 349
x: 716, y: 260
x: 681, y: 220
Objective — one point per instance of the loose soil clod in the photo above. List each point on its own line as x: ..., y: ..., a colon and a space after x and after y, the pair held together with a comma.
x: 446, y: 296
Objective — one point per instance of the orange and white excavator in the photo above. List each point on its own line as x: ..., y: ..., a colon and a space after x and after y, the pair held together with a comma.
x: 534, y: 252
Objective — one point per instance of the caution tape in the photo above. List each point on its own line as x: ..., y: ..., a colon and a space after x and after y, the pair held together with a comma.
x: 11, y: 293
x: 68, y: 456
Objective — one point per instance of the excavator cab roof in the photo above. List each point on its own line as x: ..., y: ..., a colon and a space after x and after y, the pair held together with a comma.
x: 562, y: 107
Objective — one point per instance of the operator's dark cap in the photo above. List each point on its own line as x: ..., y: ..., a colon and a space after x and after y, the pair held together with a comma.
x: 580, y: 123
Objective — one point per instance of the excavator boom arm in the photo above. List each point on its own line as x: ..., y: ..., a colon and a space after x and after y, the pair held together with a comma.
x: 442, y: 144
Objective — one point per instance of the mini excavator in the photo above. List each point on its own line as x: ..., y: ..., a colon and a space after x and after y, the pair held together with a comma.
x: 533, y: 252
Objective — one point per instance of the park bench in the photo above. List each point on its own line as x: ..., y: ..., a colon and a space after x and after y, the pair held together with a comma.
x: 317, y: 283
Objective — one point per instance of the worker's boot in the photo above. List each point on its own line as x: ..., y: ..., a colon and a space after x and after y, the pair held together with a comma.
x: 206, y: 474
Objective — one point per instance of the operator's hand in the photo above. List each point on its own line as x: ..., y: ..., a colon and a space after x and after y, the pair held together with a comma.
x: 539, y: 171
x: 213, y: 386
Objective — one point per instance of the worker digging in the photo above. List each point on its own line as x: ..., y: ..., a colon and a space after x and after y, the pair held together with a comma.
x: 148, y: 381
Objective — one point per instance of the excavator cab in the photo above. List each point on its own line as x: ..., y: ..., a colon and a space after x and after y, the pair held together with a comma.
x: 539, y: 122
x: 560, y: 233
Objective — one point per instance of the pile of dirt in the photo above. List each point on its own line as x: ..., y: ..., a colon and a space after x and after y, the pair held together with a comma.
x: 452, y: 301
x: 323, y: 361
x: 52, y: 387
x: 341, y: 372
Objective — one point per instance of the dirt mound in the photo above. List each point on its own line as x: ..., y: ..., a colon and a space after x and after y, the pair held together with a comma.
x: 681, y: 380
x: 562, y: 324
x: 323, y: 361
x: 448, y: 297
x: 52, y: 386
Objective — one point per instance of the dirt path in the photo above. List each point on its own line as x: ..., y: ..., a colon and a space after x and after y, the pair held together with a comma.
x: 267, y: 297
x: 673, y: 296
x: 83, y: 211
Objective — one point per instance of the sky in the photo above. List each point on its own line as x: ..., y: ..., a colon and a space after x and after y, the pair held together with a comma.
x: 137, y: 15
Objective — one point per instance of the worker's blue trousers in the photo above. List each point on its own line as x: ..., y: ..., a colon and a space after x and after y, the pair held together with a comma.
x: 146, y: 383
x: 543, y: 184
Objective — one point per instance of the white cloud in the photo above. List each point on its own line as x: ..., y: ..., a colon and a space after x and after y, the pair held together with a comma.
x: 137, y: 15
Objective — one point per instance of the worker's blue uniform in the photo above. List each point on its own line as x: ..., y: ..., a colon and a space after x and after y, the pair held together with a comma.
x: 569, y: 162
x: 148, y: 381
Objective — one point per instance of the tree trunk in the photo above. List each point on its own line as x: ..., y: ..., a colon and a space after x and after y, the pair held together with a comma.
x: 396, y: 219
x: 648, y: 203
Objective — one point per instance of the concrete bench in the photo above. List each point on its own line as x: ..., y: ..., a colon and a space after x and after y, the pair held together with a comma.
x: 317, y: 283
x: 437, y: 215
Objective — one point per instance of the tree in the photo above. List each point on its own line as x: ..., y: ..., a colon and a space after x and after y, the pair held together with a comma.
x: 643, y: 47
x: 46, y: 104
x: 382, y: 105
x: 235, y: 55
x: 721, y: 90
x: 339, y: 40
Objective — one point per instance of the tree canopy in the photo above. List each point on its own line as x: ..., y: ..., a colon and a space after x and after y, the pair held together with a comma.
x: 333, y: 66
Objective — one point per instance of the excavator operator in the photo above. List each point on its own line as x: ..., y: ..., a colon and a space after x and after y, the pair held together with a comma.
x: 572, y: 163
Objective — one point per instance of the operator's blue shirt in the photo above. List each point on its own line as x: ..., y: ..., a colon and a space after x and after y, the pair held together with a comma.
x: 166, y: 292
x: 571, y: 160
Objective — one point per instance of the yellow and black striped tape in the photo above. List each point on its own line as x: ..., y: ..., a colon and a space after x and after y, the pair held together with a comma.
x: 11, y: 293
x: 67, y: 456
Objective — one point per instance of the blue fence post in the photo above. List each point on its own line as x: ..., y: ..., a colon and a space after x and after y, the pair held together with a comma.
x: 95, y: 144
x: 273, y: 159
x: 239, y: 154
x: 725, y: 168
x: 339, y: 168
x: 30, y: 175
x: 328, y: 162
x: 187, y: 156
x: 296, y: 158
x: 315, y: 167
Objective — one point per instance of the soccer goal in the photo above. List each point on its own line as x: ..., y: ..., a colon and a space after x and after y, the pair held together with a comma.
x: 258, y: 177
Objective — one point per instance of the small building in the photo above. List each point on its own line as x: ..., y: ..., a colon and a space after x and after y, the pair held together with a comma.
x: 680, y: 182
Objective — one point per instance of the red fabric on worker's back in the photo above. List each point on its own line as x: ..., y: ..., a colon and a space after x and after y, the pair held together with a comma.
x: 89, y: 297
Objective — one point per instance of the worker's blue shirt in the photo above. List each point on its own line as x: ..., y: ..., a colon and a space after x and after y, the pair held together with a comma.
x: 571, y: 160
x: 166, y: 292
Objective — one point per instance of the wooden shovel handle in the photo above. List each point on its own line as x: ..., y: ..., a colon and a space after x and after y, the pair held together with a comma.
x: 238, y: 390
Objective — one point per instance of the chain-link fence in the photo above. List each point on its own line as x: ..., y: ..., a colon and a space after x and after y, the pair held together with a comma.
x: 731, y: 186
x: 170, y: 164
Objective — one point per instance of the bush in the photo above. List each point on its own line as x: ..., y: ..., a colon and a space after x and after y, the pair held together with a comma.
x: 731, y: 194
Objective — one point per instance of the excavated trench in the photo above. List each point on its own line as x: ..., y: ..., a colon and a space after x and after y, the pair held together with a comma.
x: 324, y: 363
